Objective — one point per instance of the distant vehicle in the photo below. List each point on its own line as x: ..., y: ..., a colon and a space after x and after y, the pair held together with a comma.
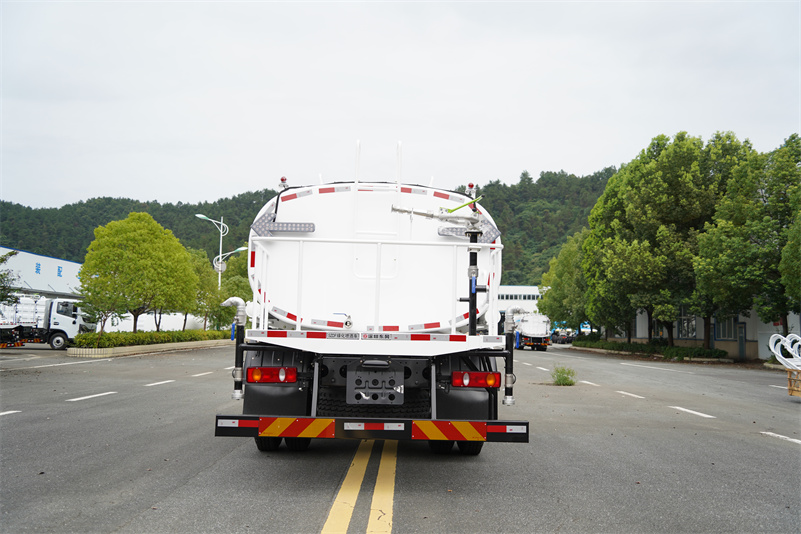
x: 563, y: 336
x: 42, y: 320
x: 369, y: 303
x: 532, y: 332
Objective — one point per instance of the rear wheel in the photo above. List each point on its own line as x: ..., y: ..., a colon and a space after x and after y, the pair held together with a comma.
x: 470, y: 448
x: 297, y: 444
x: 440, y: 446
x: 268, y: 444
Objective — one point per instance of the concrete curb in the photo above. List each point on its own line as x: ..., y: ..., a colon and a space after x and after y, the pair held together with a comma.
x: 113, y: 352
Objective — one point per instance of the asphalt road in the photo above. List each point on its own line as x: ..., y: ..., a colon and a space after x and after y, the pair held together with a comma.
x: 127, y: 445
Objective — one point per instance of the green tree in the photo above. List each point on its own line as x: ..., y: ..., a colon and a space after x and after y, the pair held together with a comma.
x: 207, y: 298
x: 136, y: 266
x: 740, y: 255
x: 7, y: 280
x: 564, y: 300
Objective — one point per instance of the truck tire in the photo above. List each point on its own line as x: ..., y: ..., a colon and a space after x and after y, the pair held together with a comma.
x: 470, y: 448
x: 268, y: 444
x: 58, y: 341
x: 440, y: 446
x: 297, y: 444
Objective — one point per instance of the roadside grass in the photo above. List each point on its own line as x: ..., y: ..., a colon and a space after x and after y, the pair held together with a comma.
x: 563, y: 376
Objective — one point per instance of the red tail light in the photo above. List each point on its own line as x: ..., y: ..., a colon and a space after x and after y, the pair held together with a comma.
x: 272, y: 375
x: 475, y: 379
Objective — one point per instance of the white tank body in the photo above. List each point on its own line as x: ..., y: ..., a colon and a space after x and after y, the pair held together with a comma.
x: 370, y: 257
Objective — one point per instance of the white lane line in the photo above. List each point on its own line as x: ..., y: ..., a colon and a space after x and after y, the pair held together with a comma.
x: 771, y: 434
x: 630, y: 394
x: 92, y: 396
x: 543, y: 369
x: 9, y: 412
x: 55, y: 365
x: 203, y: 374
x: 590, y: 383
x: 529, y: 364
x: 159, y: 383
x: 699, y: 414
x: 780, y: 387
x: 657, y: 368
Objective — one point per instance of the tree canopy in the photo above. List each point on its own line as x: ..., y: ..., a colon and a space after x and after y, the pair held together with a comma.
x: 690, y: 228
x: 136, y: 266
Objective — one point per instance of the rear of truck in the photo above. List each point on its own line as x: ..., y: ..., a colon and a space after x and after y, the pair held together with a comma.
x: 374, y: 315
x: 534, y: 332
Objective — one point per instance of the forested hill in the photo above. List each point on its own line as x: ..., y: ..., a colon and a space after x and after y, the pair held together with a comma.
x: 535, y: 218
x: 67, y: 231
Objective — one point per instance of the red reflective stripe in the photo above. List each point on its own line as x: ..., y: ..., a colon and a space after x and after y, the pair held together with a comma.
x: 406, y: 189
x: 497, y: 428
x: 335, y: 324
x: 431, y: 325
x: 289, y: 197
x: 420, y: 337
x: 390, y: 328
x: 315, y: 335
x: 441, y: 195
x: 374, y: 426
x: 252, y: 258
x: 327, y: 190
x: 291, y: 316
x: 248, y: 423
x: 276, y: 333
x: 457, y: 337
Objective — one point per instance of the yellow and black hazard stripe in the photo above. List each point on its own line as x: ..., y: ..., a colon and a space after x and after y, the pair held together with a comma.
x: 348, y: 428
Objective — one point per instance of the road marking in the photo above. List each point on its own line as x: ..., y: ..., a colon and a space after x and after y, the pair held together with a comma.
x: 92, y: 396
x: 229, y: 368
x: 342, y: 509
x: 543, y: 369
x: 529, y: 364
x: 693, y: 412
x: 203, y: 374
x: 657, y: 368
x: 384, y: 492
x: 55, y: 365
x: 630, y: 394
x: 771, y: 434
x: 159, y: 383
x: 9, y: 412
x: 590, y: 383
x: 780, y: 387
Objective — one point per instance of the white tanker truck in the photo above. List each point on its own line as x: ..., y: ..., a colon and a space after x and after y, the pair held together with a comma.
x: 374, y: 316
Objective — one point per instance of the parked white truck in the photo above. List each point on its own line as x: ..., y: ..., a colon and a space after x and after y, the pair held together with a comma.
x: 374, y: 316
x: 42, y: 320
x: 533, y: 331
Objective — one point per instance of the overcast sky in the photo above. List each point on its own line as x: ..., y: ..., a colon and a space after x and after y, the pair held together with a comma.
x: 194, y: 101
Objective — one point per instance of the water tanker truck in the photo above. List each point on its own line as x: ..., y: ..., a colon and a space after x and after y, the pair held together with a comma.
x: 374, y: 316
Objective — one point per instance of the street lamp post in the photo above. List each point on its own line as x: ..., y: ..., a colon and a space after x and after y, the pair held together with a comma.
x: 219, y: 261
x: 223, y: 228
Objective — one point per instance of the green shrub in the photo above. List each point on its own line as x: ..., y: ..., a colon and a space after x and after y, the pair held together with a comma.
x: 563, y: 376
x: 126, y: 339
x: 671, y: 353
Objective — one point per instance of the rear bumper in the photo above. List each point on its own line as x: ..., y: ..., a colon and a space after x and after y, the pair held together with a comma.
x: 355, y: 428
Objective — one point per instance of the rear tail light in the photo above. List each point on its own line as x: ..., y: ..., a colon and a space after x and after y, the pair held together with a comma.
x: 272, y: 375
x: 475, y: 379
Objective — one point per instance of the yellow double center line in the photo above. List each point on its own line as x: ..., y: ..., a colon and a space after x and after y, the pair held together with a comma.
x: 383, y: 494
